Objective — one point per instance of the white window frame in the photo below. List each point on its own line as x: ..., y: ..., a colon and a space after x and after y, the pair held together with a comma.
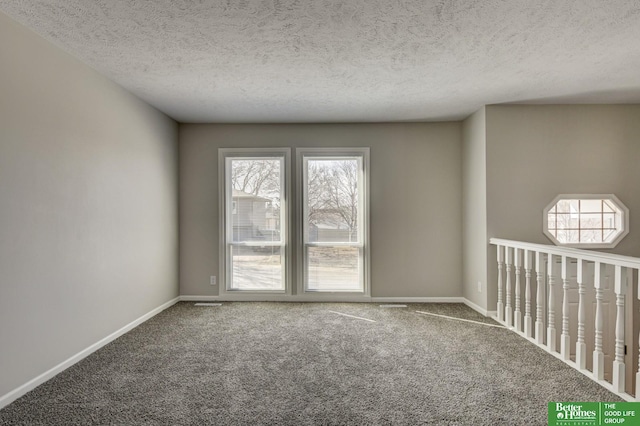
x: 624, y: 220
x: 226, y: 208
x: 363, y: 225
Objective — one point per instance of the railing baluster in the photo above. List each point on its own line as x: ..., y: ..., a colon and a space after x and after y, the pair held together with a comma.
x: 554, y: 265
x: 551, y: 318
x: 527, y: 292
x: 539, y: 298
x: 598, y: 355
x: 508, y: 311
x: 565, y: 340
x: 618, y: 363
x: 581, y: 346
x: 518, y: 313
x: 500, y: 266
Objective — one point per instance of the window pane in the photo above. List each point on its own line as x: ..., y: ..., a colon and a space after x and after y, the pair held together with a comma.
x: 591, y: 236
x: 333, y: 223
x: 333, y: 268
x: 254, y: 223
x: 563, y: 221
x: 256, y: 199
x: 610, y: 221
x: 551, y: 221
x: 564, y: 206
x: 256, y: 268
x: 591, y: 221
x: 332, y: 200
x: 607, y: 206
x: 609, y: 236
x: 574, y: 222
x: 590, y: 206
x: 568, y: 237
x: 574, y: 206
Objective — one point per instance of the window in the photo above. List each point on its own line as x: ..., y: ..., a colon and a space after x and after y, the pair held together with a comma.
x: 334, y: 217
x: 586, y: 221
x: 331, y: 218
x: 254, y: 225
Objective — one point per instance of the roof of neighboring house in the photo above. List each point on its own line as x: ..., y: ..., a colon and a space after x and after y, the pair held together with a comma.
x: 241, y: 194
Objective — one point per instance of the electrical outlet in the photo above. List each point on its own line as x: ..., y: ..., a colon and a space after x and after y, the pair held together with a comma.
x: 212, y: 280
x: 479, y: 286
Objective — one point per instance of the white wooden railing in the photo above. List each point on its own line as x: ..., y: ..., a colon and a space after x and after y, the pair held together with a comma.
x: 583, y: 294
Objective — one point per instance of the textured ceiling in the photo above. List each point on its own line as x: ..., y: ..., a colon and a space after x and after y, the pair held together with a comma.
x: 348, y: 60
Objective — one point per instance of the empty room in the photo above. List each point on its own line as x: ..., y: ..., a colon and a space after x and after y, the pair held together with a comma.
x: 308, y: 212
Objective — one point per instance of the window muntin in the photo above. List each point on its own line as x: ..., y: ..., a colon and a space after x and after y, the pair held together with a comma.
x: 587, y: 221
x: 334, y: 220
x: 255, y: 222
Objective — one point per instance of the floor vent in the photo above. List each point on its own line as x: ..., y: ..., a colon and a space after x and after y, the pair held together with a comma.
x: 393, y: 306
x: 207, y: 304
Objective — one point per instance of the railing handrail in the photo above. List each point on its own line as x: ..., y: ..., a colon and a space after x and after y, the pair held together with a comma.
x: 588, y: 255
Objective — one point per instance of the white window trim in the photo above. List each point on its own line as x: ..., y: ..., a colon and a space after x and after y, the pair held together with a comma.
x: 224, y: 261
x: 363, y: 152
x: 623, y: 209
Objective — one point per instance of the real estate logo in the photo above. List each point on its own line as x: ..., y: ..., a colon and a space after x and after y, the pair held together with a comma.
x: 593, y: 413
x: 575, y: 413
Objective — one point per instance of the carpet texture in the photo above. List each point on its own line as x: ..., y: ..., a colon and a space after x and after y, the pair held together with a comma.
x: 301, y: 364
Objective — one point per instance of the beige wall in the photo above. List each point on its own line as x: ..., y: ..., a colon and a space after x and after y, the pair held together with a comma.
x: 415, y: 199
x: 88, y: 214
x: 474, y: 208
x: 537, y: 152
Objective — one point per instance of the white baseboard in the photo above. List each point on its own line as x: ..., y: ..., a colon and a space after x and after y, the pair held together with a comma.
x: 477, y: 308
x: 417, y: 299
x: 276, y: 298
x: 33, y: 383
x: 317, y: 298
x: 199, y: 298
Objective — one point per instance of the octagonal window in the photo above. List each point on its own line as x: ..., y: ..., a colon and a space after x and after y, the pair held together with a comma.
x: 586, y: 221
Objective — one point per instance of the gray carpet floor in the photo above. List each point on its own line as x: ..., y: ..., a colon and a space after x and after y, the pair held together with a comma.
x: 301, y: 364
